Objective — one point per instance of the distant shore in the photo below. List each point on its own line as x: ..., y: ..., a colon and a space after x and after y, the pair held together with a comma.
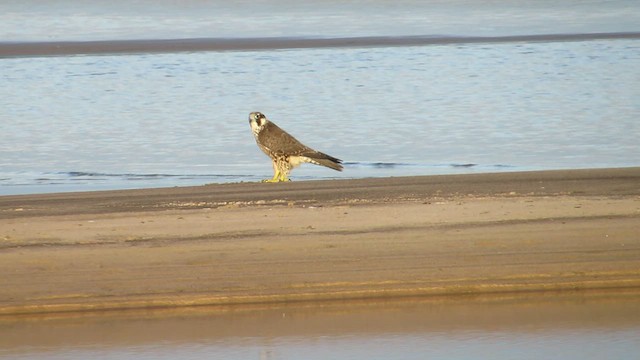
x: 60, y: 48
x: 250, y: 243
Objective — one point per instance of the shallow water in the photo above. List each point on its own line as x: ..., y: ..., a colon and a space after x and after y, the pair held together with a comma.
x: 533, y: 326
x: 87, y: 122
x: 141, y: 120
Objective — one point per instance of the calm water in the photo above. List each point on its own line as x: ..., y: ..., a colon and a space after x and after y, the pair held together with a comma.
x: 566, y: 327
x: 141, y: 120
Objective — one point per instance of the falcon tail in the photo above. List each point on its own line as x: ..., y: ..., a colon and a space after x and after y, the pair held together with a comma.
x: 326, y: 160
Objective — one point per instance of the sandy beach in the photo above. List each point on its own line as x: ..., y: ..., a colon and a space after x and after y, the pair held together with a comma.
x: 252, y: 243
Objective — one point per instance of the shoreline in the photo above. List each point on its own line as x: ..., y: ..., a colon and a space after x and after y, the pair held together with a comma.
x: 132, y: 46
x: 253, y: 243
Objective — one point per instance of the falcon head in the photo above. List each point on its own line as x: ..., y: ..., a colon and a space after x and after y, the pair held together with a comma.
x: 257, y: 120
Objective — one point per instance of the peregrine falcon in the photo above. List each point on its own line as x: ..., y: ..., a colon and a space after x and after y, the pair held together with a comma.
x: 284, y: 150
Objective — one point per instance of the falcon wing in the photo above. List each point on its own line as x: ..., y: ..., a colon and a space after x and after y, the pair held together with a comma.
x: 278, y: 141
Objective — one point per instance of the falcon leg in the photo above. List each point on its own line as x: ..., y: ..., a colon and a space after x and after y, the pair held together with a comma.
x: 280, y: 172
x: 276, y: 175
x: 283, y: 171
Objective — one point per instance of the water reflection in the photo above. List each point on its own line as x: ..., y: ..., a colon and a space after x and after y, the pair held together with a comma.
x: 552, y: 326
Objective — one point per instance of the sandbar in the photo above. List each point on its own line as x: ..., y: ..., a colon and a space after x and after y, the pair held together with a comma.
x: 145, y: 46
x: 378, y: 238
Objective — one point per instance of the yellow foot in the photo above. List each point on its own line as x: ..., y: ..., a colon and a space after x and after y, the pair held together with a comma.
x: 277, y: 177
x: 275, y: 180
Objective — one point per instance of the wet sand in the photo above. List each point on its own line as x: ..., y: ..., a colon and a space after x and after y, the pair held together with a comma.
x: 253, y: 243
x: 60, y: 48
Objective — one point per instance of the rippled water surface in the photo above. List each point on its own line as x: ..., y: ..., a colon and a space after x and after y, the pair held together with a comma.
x: 139, y: 120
